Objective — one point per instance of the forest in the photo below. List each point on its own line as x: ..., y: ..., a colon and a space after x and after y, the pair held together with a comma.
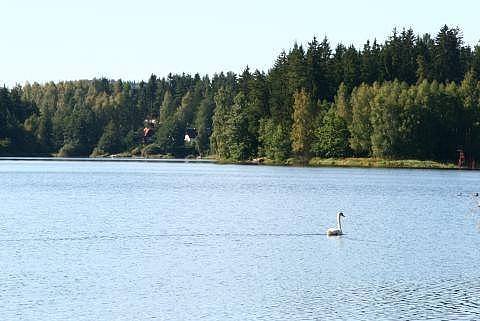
x: 410, y: 97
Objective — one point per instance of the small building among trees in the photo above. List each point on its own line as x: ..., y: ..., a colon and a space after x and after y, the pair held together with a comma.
x: 190, y: 135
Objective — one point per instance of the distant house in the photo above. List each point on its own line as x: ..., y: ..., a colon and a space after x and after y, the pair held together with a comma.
x: 148, y: 135
x: 150, y: 122
x: 190, y: 135
x: 149, y: 130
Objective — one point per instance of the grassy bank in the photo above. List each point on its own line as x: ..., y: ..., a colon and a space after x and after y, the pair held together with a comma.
x: 350, y: 162
x: 380, y: 163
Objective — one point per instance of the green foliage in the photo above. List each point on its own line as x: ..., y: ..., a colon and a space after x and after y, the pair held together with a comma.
x: 80, y: 132
x: 317, y: 62
x: 360, y: 126
x: 342, y: 104
x: 411, y: 96
x: 220, y: 137
x: 4, y: 144
x: 386, y: 120
x: 256, y: 107
x: 71, y: 149
x: 203, y: 124
x: 302, y: 128
x: 230, y: 139
x: 331, y: 139
x: 447, y: 63
x: 237, y: 130
x: 111, y: 140
x: 378, y: 162
x: 152, y: 149
x: 167, y: 108
x: 169, y: 136
x: 14, y: 139
x: 275, y: 140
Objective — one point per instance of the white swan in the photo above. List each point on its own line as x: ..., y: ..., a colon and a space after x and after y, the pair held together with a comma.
x: 338, y: 229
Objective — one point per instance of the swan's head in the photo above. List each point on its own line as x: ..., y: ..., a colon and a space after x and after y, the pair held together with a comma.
x: 340, y: 214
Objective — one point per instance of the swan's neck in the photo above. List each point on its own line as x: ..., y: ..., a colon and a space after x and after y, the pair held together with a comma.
x: 339, y: 223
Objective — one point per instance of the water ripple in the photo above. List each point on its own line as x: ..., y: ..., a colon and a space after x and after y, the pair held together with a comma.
x: 159, y: 236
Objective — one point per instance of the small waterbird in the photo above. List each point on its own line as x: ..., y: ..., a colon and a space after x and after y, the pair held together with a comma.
x: 338, y: 230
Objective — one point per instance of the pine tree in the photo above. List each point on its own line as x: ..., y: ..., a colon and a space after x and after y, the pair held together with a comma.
x: 446, y: 55
x: 203, y: 124
x: 110, y: 142
x: 280, y: 101
x: 219, y: 140
x: 168, y: 108
x: 296, y: 69
x: 239, y: 143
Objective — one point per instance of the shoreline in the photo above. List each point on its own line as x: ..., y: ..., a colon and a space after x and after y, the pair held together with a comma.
x: 383, y: 163
x: 291, y: 162
x: 353, y: 163
x: 109, y: 159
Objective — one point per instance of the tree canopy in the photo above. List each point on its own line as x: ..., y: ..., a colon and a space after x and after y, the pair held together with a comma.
x: 415, y: 96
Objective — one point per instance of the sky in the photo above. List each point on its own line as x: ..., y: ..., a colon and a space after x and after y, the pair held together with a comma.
x: 54, y: 40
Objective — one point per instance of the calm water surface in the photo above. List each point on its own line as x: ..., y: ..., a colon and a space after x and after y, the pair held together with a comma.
x: 142, y: 241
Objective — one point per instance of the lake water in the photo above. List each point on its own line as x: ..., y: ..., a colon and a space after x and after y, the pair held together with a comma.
x: 143, y: 241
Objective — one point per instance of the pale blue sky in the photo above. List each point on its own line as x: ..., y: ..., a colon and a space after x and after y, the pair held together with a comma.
x: 63, y: 40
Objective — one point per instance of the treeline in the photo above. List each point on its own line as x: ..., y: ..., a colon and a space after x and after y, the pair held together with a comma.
x: 411, y: 96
